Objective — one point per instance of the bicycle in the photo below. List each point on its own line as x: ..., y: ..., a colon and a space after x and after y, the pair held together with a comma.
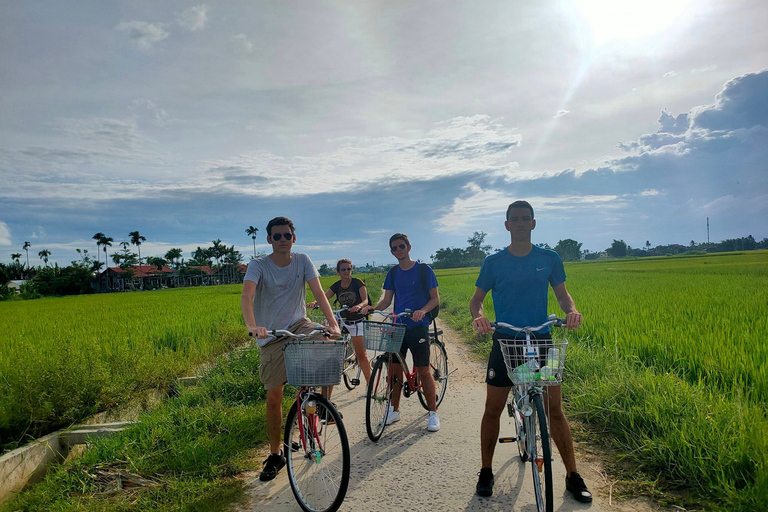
x: 315, y: 440
x: 387, y: 337
x: 525, y: 404
x: 351, y: 372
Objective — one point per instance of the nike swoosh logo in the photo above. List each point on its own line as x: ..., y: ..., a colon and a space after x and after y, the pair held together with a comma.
x: 422, y: 340
x: 540, y: 269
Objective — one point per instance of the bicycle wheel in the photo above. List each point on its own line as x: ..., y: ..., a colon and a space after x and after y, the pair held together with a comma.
x: 317, y: 456
x: 438, y: 367
x: 541, y: 457
x: 378, y: 398
x: 517, y: 419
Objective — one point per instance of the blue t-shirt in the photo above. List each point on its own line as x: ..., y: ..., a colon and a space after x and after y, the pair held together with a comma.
x: 409, y: 294
x: 520, y: 285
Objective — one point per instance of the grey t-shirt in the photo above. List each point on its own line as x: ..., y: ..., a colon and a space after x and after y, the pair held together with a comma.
x: 280, y: 299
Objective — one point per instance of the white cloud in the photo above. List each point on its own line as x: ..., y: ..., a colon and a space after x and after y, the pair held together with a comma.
x: 561, y: 113
x: 242, y: 42
x: 705, y: 69
x: 669, y: 74
x: 5, y: 234
x: 650, y: 192
x: 160, y: 116
x: 194, y: 18
x: 144, y: 34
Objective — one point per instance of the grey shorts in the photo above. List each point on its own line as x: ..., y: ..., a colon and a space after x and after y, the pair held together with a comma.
x: 272, y: 365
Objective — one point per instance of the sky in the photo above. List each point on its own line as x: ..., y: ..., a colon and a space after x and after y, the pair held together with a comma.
x: 189, y: 122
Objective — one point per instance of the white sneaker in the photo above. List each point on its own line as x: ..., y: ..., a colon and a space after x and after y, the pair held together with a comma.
x: 433, y: 423
x: 392, y: 416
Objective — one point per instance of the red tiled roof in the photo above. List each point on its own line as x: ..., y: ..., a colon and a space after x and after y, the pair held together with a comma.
x: 143, y: 270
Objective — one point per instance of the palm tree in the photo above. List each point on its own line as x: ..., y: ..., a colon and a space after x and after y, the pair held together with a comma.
x: 44, y: 255
x: 106, y: 241
x: 26, y: 247
x: 16, y: 256
x: 218, y: 250
x: 136, y: 240
x: 251, y: 232
x: 98, y: 237
x: 173, y: 255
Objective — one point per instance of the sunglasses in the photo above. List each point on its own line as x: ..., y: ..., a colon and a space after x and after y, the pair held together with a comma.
x: 345, y: 270
x: 278, y: 236
x: 396, y: 247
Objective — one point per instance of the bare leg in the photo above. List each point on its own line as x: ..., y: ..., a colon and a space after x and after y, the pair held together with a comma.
x: 428, y: 386
x: 397, y: 386
x: 495, y: 400
x: 561, y: 430
x: 362, y: 357
x: 274, y: 417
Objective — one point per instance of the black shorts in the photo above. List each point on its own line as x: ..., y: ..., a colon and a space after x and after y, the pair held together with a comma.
x: 417, y: 340
x: 497, y: 370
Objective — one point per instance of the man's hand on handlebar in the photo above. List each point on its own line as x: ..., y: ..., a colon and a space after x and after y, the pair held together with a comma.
x: 418, y: 315
x: 482, y: 325
x: 573, y: 320
x: 312, y: 305
x: 259, y: 332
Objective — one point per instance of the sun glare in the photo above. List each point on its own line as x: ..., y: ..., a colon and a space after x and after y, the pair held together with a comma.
x: 629, y: 19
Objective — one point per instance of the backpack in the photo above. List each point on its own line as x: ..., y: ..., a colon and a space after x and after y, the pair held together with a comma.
x: 424, y: 286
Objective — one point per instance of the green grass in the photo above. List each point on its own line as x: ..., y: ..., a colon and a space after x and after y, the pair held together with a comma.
x: 671, y: 361
x: 190, y: 449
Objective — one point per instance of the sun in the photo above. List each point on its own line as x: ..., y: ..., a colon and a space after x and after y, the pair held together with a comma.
x: 610, y: 20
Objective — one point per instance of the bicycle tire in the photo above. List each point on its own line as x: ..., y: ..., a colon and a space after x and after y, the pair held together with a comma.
x: 319, y: 474
x: 378, y: 398
x: 438, y: 367
x: 520, y: 430
x: 543, y: 499
x: 350, y: 367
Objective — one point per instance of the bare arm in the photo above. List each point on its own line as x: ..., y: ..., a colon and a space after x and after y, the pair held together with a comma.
x: 246, y: 307
x: 363, y: 291
x: 479, y: 321
x: 328, y: 294
x: 325, y: 306
x: 572, y: 316
x: 434, y: 300
x: 383, y: 303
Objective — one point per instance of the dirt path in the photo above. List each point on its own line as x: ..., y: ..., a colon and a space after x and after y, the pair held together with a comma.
x: 448, y: 460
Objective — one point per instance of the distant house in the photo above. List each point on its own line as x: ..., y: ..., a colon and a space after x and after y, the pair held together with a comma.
x: 16, y: 284
x: 117, y: 279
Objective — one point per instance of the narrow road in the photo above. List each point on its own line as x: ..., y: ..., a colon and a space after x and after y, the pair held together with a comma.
x: 410, y: 468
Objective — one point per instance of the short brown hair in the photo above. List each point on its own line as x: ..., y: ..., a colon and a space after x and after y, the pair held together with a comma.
x: 279, y: 221
x: 520, y: 204
x: 342, y: 260
x: 399, y: 236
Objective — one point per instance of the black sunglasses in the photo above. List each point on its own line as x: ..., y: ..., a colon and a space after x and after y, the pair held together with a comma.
x: 277, y: 236
x: 345, y: 269
x: 396, y: 247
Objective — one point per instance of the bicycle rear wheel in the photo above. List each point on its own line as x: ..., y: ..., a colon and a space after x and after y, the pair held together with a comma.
x: 378, y: 398
x: 541, y: 457
x: 350, y: 366
x: 438, y: 368
x: 317, y: 456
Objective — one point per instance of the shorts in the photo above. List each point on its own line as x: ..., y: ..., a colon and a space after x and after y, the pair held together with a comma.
x: 354, y: 329
x: 417, y: 340
x: 496, y: 374
x: 272, y: 365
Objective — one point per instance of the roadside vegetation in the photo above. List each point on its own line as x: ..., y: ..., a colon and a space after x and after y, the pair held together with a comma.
x: 671, y: 363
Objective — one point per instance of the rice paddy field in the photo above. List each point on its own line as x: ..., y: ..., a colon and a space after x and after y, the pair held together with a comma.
x: 670, y: 368
x: 672, y: 362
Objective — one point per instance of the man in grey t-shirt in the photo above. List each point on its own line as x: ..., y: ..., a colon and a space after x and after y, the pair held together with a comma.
x: 274, y: 297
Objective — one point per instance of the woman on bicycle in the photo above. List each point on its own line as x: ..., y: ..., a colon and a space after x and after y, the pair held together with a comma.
x: 351, y: 292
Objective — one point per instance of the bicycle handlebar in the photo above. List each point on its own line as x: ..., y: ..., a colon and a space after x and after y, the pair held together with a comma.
x: 551, y: 320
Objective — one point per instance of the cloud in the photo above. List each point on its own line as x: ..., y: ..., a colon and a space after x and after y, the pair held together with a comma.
x: 242, y: 42
x: 705, y: 69
x: 561, y: 113
x: 159, y: 115
x: 740, y: 105
x: 194, y: 18
x: 669, y: 74
x: 144, y: 34
x: 5, y: 234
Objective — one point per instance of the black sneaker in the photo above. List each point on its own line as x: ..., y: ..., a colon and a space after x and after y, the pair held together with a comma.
x: 485, y: 482
x: 272, y: 466
x: 575, y: 484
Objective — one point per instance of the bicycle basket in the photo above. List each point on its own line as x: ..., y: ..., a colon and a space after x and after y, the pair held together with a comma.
x: 543, y: 365
x: 383, y: 336
x: 313, y: 362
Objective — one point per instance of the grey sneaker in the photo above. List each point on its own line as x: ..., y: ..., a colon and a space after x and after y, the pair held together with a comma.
x: 392, y: 416
x: 433, y: 423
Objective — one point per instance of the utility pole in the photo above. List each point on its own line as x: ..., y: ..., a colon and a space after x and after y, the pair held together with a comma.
x: 707, y: 230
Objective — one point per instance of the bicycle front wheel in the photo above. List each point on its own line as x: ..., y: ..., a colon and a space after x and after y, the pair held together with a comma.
x: 541, y: 458
x: 317, y: 456
x: 520, y: 424
x: 378, y: 398
x: 438, y: 368
x: 350, y: 367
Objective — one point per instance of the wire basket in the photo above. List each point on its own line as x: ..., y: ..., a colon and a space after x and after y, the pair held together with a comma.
x: 541, y: 363
x: 383, y: 336
x: 314, y: 362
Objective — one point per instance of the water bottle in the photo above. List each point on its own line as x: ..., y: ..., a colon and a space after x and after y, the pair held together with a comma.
x: 549, y: 372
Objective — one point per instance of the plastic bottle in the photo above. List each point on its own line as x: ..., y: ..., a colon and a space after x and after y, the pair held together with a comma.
x: 526, y: 372
x: 549, y: 372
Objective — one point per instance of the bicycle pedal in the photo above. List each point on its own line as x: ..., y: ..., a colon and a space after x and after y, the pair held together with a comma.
x: 507, y: 440
x: 355, y: 382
